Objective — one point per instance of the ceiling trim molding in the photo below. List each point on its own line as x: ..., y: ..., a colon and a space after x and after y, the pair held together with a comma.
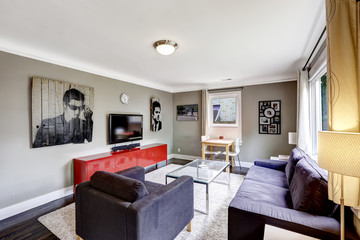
x: 17, y: 50
x: 235, y: 84
x: 69, y: 63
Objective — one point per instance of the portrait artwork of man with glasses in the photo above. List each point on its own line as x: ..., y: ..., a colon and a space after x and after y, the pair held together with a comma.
x: 74, y: 125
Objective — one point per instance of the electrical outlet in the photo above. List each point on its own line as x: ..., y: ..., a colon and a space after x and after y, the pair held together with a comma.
x: 178, y: 149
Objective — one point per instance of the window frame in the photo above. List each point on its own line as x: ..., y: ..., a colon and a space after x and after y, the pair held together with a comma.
x: 315, y: 109
x: 237, y: 96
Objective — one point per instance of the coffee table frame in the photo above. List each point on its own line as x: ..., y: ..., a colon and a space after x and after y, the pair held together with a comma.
x: 206, y: 182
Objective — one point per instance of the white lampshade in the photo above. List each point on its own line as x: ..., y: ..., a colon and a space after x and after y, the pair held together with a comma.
x: 339, y: 152
x: 165, y: 47
x: 292, y: 138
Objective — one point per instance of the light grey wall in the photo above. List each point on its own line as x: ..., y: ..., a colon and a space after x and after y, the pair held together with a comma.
x: 257, y: 145
x: 26, y: 173
x: 187, y: 134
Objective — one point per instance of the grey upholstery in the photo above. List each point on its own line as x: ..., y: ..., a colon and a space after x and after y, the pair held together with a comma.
x: 267, y: 175
x: 265, y: 197
x: 128, y: 189
x: 161, y: 214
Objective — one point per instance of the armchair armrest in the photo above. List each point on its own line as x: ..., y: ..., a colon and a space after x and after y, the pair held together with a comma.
x: 137, y: 173
x: 164, y: 212
x: 273, y: 164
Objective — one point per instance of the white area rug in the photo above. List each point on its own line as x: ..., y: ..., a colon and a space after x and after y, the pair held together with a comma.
x: 213, y: 226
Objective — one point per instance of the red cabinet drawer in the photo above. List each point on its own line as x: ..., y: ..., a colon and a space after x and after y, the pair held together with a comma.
x: 104, y: 165
x: 125, y: 160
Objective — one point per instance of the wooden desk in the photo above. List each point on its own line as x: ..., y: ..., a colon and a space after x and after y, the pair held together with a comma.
x: 218, y: 143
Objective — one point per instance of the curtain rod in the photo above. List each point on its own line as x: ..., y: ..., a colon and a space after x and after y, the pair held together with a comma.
x: 225, y: 89
x: 317, y: 43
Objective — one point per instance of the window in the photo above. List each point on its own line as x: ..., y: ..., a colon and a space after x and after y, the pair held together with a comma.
x: 224, y: 110
x: 318, y: 109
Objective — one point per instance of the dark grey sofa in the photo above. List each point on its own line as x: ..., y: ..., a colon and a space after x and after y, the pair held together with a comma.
x: 123, y: 205
x: 287, y: 194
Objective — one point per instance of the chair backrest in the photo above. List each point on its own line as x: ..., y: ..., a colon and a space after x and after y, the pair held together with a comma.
x: 237, y: 145
x: 203, y: 138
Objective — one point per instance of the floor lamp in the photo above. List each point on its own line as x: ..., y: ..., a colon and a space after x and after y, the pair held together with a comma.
x: 339, y: 152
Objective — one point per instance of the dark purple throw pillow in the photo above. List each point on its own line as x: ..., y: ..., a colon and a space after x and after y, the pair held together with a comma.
x: 309, y: 189
x: 295, y: 156
x: 128, y: 189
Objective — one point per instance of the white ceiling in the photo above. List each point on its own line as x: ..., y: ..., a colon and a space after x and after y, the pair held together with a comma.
x: 249, y: 41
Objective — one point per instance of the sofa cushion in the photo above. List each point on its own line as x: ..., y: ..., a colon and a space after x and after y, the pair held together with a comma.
x: 128, y: 189
x: 151, y: 186
x: 295, y: 156
x: 308, y: 188
x: 267, y: 175
x: 264, y: 193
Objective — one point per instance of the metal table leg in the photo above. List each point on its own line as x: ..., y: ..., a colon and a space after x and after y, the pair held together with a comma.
x: 207, y: 199
x: 229, y: 177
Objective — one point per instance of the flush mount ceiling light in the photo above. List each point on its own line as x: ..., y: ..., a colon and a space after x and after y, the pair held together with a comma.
x: 165, y: 47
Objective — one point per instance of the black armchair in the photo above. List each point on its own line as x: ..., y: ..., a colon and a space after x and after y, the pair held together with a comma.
x: 123, y: 205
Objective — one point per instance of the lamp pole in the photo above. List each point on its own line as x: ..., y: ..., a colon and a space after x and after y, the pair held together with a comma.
x: 342, y: 209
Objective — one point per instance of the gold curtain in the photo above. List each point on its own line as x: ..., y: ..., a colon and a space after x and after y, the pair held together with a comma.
x: 342, y: 26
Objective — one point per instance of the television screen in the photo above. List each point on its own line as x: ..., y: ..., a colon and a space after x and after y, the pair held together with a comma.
x: 125, y: 128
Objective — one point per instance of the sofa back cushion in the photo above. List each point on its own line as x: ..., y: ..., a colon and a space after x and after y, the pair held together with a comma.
x: 128, y: 189
x: 295, y: 156
x: 309, y: 188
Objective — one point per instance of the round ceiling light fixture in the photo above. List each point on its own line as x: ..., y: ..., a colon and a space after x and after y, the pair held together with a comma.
x: 165, y: 47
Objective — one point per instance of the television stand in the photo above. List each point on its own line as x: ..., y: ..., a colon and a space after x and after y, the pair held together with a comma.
x: 144, y: 156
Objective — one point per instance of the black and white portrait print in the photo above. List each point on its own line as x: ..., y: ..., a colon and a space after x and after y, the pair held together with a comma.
x: 61, y: 112
x: 156, y: 124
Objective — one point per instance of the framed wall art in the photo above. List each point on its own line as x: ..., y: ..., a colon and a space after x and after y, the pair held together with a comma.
x: 61, y: 112
x: 187, y: 112
x: 270, y: 117
x: 156, y: 118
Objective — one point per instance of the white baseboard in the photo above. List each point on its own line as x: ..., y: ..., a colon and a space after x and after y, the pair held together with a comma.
x: 34, y: 202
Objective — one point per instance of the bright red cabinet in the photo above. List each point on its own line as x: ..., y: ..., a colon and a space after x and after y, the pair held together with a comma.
x: 147, y: 155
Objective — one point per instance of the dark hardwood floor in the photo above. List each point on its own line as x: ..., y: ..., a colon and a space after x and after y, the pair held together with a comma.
x: 26, y: 226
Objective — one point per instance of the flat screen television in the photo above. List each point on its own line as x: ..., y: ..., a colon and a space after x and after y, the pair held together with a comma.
x: 125, y: 128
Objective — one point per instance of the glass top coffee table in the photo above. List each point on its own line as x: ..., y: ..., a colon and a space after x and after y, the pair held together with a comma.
x: 203, y: 172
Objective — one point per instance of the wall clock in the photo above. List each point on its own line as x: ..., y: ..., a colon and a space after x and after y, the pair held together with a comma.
x: 124, y: 98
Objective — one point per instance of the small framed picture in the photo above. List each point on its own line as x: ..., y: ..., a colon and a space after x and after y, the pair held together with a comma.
x: 273, y: 128
x: 187, y: 112
x: 277, y: 120
x: 264, y: 120
x: 264, y: 129
x: 275, y: 105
